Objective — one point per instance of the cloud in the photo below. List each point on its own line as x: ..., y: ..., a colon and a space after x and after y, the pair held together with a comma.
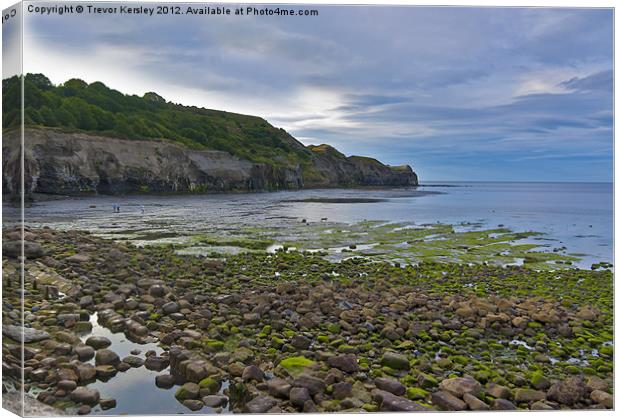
x: 497, y: 91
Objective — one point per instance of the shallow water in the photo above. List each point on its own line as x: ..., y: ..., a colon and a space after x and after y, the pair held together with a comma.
x: 134, y: 390
x: 576, y: 215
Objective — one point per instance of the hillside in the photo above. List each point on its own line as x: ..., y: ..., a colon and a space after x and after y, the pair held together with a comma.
x: 76, y: 124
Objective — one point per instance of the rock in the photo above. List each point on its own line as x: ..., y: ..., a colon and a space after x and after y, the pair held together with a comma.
x: 426, y: 381
x: 502, y: 405
x: 474, y: 403
x: 540, y: 382
x: 541, y: 406
x: 106, y: 371
x: 107, y: 403
x: 458, y: 386
x: 156, y: 363
x: 309, y: 406
x: 260, y: 405
x: 29, y: 335
x: 187, y: 391
x: 447, y: 402
x: 209, y: 386
x: 67, y: 374
x: 164, y: 381
x: 98, y: 342
x: 157, y: 291
x: 133, y: 361
x: 596, y: 383
x: 195, y: 371
x: 105, y: 356
x: 84, y: 410
x: 14, y: 249
x: 587, y: 313
x: 279, y: 387
x: 499, y: 391
x: 86, y: 396
x: 390, y: 385
x: 529, y: 395
x: 86, y: 301
x: 67, y: 385
x: 86, y: 372
x: 313, y: 384
x: 251, y: 318
x: 342, y: 390
x: 299, y: 396
x: 567, y: 392
x: 193, y: 404
x: 395, y: 361
x: 390, y: 402
x: 252, y: 373
x: 214, y: 401
x: 84, y: 352
x: 170, y: 308
x: 346, y: 363
x: 602, y: 398
x: 300, y: 342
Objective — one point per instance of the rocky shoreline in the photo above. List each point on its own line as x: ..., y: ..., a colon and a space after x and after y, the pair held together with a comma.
x: 292, y: 332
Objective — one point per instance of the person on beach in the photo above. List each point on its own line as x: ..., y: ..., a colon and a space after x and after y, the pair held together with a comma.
x: 142, y: 209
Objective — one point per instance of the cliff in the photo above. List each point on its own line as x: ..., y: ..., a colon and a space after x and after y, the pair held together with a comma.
x: 87, y: 138
x: 73, y: 163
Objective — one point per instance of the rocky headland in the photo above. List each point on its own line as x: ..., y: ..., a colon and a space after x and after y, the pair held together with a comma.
x: 65, y: 163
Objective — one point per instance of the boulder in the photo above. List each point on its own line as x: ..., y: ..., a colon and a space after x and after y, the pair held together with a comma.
x: 98, y: 342
x: 389, y: 402
x: 189, y: 390
x: 252, y: 373
x: 499, y: 391
x: 395, y: 361
x: 170, y: 308
x: 567, y: 392
x: 458, y: 386
x: 279, y: 388
x: 86, y: 372
x: 502, y: 405
x: 346, y: 363
x: 390, y: 385
x: 84, y: 395
x: 447, y: 401
x: 164, y: 381
x: 260, y: 404
x: 84, y: 352
x: 342, y: 390
x: 105, y: 356
x: 299, y: 396
x: 602, y: 398
x: 474, y: 403
x: 313, y: 384
x: 529, y: 395
x: 215, y: 401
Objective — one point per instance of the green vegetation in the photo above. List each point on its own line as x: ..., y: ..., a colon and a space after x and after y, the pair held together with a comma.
x: 296, y: 365
x: 78, y: 106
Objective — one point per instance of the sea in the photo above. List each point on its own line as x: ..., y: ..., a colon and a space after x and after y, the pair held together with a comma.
x: 578, y: 216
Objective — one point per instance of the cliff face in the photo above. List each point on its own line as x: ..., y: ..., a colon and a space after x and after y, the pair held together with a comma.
x: 77, y: 163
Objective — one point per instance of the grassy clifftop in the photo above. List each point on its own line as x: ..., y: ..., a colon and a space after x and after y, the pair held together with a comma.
x: 78, y: 106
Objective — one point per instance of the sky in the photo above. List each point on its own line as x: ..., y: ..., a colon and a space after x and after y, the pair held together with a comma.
x: 470, y: 94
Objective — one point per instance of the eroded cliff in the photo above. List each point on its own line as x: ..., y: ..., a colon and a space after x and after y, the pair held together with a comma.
x: 58, y: 162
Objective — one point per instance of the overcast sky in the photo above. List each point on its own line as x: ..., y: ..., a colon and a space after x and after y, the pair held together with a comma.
x: 458, y: 93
